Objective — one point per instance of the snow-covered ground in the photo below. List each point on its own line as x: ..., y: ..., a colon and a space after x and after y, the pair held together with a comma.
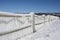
x: 50, y: 31
x: 44, y: 31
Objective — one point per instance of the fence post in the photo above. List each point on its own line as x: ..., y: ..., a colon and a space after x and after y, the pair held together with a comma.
x: 33, y: 22
x: 44, y: 18
x: 49, y: 18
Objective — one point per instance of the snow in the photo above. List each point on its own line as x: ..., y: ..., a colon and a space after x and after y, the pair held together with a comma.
x: 13, y: 14
x: 44, y: 31
x: 48, y: 32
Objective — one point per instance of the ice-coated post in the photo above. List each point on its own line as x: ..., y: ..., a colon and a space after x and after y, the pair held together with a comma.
x: 49, y: 18
x: 44, y: 18
x: 33, y: 21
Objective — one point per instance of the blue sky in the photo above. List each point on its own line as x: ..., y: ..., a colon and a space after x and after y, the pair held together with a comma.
x: 24, y: 6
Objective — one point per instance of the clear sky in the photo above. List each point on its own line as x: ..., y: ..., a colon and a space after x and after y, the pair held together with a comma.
x: 24, y: 6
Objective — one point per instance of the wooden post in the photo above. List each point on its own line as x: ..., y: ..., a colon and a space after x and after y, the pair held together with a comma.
x: 33, y: 22
x: 44, y: 18
x: 49, y: 19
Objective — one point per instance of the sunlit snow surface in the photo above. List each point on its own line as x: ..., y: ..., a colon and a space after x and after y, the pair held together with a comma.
x: 45, y: 31
x: 50, y: 31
